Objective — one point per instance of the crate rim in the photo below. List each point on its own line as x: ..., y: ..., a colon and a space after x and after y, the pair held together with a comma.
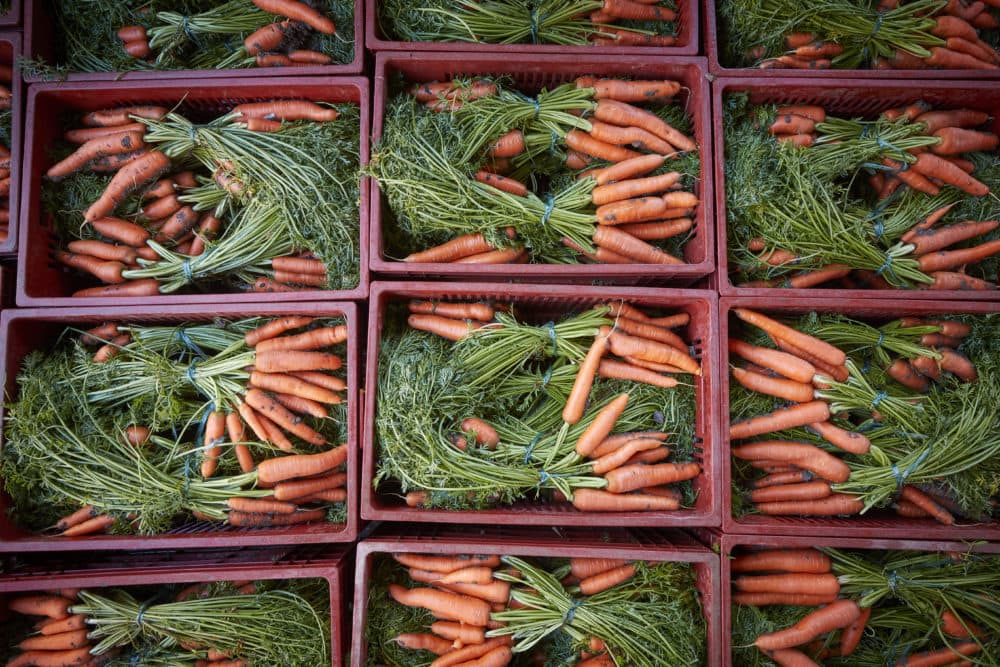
x: 710, y: 38
x: 720, y: 88
x: 303, y: 534
x: 178, y: 86
x: 353, y: 68
x: 374, y: 42
x: 664, y: 274
x: 822, y: 526
x: 10, y: 34
x: 708, y: 516
x: 550, y: 547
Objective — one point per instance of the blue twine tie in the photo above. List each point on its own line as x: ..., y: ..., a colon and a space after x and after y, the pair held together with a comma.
x: 902, y: 476
x: 879, y: 397
x: 531, y: 447
x: 571, y: 612
x: 881, y: 339
x: 142, y: 612
x: 533, y: 18
x: 550, y: 204
x: 551, y: 326
x: 538, y: 107
x: 547, y: 377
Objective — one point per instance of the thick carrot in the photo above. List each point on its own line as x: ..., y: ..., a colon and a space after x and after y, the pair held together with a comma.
x: 272, y: 471
x: 782, y: 560
x: 658, y: 230
x: 637, y: 209
x: 485, y: 434
x: 288, y: 384
x: 628, y: 189
x: 446, y: 564
x: 954, y: 626
x: 833, y: 505
x: 581, y: 568
x: 953, y: 280
x: 582, y: 142
x: 822, y: 583
x: 785, y: 364
x: 293, y: 490
x: 286, y: 110
x: 781, y: 419
x: 940, y: 657
x: 61, y: 625
x: 236, y: 433
x: 273, y: 433
x: 106, y: 251
x: 121, y: 230
x: 469, y: 575
x: 473, y: 311
x: 812, y: 112
x: 270, y: 408
x: 76, y: 656
x: 260, y: 505
x: 902, y: 372
x: 819, y: 348
x: 602, y: 425
x: 788, y: 492
x: 97, y: 147
x: 651, y: 331
x: 313, y: 339
x: 321, y: 379
x: 935, y: 120
x: 629, y: 169
x: 266, y: 38
x: 443, y: 604
x: 299, y: 265
x: 608, y: 368
x: 52, y: 606
x: 503, y: 183
x: 610, y: 36
x: 935, y: 166
x: 603, y: 581
x: 491, y: 653
x: 629, y: 136
x: 280, y: 361
x: 802, y: 455
x: 851, y: 636
x: 948, y: 259
x: 632, y: 477
x: 792, y: 124
x: 298, y: 11
x: 623, y: 243
x: 927, y: 504
x: 838, y: 373
x: 775, y: 598
x: 104, y: 270
x: 649, y: 350
x: 631, y: 91
x: 215, y: 430
x: 790, y: 390
x: 626, y: 115
x: 621, y: 456
x: 508, y: 145
x: 129, y: 178
x: 275, y: 327
x: 443, y: 326
x: 957, y: 364
x: 926, y: 241
x: 948, y: 59
x: 462, y: 246
x: 309, y: 57
x: 850, y: 441
x: 261, y: 520
x: 637, y: 11
x: 836, y: 615
x: 595, y: 500
x: 121, y: 115
x: 496, y: 592
x: 423, y: 642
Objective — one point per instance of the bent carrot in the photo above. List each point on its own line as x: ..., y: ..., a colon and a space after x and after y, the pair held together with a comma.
x: 850, y: 441
x: 625, y: 244
x: 624, y: 345
x: 802, y: 455
x: 121, y: 115
x: 836, y: 615
x: 609, y: 368
x: 602, y: 425
x: 851, y: 636
x: 626, y: 115
x: 927, y: 504
x: 811, y: 344
x: 443, y: 604
x: 276, y: 412
x: 627, y: 169
x: 135, y: 174
x: 787, y: 365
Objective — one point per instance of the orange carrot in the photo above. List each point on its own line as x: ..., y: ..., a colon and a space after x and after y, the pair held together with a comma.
x: 299, y: 265
x: 272, y: 471
x: 629, y: 169
x: 802, y: 455
x: 275, y: 327
x: 423, y: 642
x: 851, y: 636
x: 789, y: 477
x: 948, y: 259
x: 632, y: 477
x: 79, y: 516
x: 787, y: 492
x: 443, y: 604
x: 957, y: 364
x: 234, y: 428
x: 273, y: 410
x: 822, y: 583
x: 292, y: 386
x: 815, y: 346
x: 144, y: 287
x: 481, y: 575
x: 293, y: 490
x: 836, y: 615
x: 626, y: 115
x: 462, y: 246
x: 130, y: 177
x: 279, y: 361
x: 948, y: 59
x: 903, y: 373
x: 609, y: 36
x: 788, y: 365
x: 637, y: 11
x: 648, y: 350
x: 445, y: 564
x: 504, y: 256
x: 782, y: 560
x: 935, y: 120
x: 309, y: 57
x: 629, y: 136
x: 630, y: 91
x: 942, y: 656
x: 583, y: 142
x: 620, y: 457
x: 105, y: 251
x: 954, y: 626
x: 925, y: 241
x: 76, y: 656
x: 51, y: 606
x: 313, y: 339
x: 790, y: 390
x: 838, y: 373
x: 628, y: 189
x: 595, y: 500
x: 792, y: 124
x: 504, y: 183
x: 215, y: 429
x: 286, y: 110
x: 934, y: 166
x: 266, y: 38
x: 260, y: 505
x: 121, y: 115
x: 927, y: 504
x: 781, y: 419
x: 833, y: 505
x: 812, y: 112
x: 321, y: 379
x: 97, y: 147
x: 58, y: 626
x: 638, y: 209
x: 472, y: 311
x: 850, y: 441
x: 625, y: 244
x: 508, y: 145
x: 582, y: 568
x: 484, y: 433
x: 602, y: 425
x: 776, y: 598
x: 790, y: 657
x: 261, y: 520
x: 575, y: 403
x: 442, y: 326
x: 493, y: 652
x: 951, y: 280
x: 603, y: 581
x: 608, y: 368
x: 120, y: 230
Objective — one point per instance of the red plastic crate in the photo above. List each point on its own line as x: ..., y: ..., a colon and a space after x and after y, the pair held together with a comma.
x: 43, y: 282
x: 332, y: 564
x: 41, y: 38
x: 532, y: 73
x: 13, y: 17
x: 25, y: 330
x: 702, y: 330
x: 672, y: 546
x: 712, y: 31
x: 725, y: 544
x: 687, y: 40
x: 849, y: 97
x: 10, y: 50
x: 876, y: 523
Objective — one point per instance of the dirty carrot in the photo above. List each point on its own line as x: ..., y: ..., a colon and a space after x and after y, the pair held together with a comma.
x: 130, y: 177
x: 261, y: 520
x: 612, y: 369
x: 774, y: 598
x: 648, y: 350
x: 626, y: 115
x: 625, y: 244
x: 462, y: 246
x: 790, y: 390
x: 926, y: 503
x: 52, y: 606
x: 293, y: 490
x: 629, y: 169
x: 286, y: 110
x: 850, y: 441
x: 851, y: 636
x: 802, y: 455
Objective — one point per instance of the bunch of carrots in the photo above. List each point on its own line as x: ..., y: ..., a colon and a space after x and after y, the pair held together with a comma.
x: 157, y: 412
x: 184, y: 201
x: 849, y: 432
x: 511, y: 160
x: 270, y: 45
x: 889, y: 34
x: 567, y: 22
x: 862, y: 614
x: 222, y: 624
x: 581, y: 430
x: 128, y: 35
x: 6, y: 101
x: 478, y: 610
x: 910, y: 191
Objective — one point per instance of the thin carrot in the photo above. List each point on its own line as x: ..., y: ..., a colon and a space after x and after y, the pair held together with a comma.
x: 443, y: 326
x: 790, y: 657
x: 58, y: 626
x: 602, y: 581
x: 129, y: 178
x: 815, y: 346
x: 293, y: 490
x: 628, y: 189
x: 575, y: 403
x: 637, y: 11
x: 121, y: 115
x: 788, y: 365
x: 609, y: 368
x: 625, y: 244
x: 838, y: 373
x: 629, y: 169
x: 925, y: 241
x: 309, y: 57
x: 937, y: 119
x: 272, y: 471
x: 96, y: 525
x: 786, y: 492
x: 949, y: 259
x: 778, y: 478
x: 462, y: 246
x: 790, y: 390
x: 493, y: 652
x: 261, y: 520
x: 443, y: 604
x: 266, y: 405
x: 236, y: 433
x: 836, y: 615
x: 423, y: 642
x: 79, y: 516
x: 275, y: 327
x: 648, y: 350
x: 927, y: 504
x: 445, y: 564
x: 781, y: 419
x: 503, y: 256
x: 621, y: 456
x: 330, y: 382
x: 97, y: 147
x: 851, y: 636
x: 286, y: 110
x: 503, y: 183
x: 782, y: 560
x: 76, y: 656
x: 629, y: 136
x: 472, y: 311
x: 626, y: 115
x: 934, y: 166
x: 302, y: 405
x: 802, y: 455
x: 833, y: 505
x: 940, y: 657
x: 602, y: 425
x: 215, y: 429
x: 280, y: 361
x: 313, y: 339
x: 595, y: 500
x: 583, y: 142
